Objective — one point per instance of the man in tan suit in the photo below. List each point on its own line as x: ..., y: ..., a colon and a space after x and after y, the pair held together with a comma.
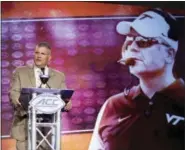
x: 27, y: 77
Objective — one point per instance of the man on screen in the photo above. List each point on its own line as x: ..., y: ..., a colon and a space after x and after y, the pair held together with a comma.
x: 27, y: 77
x: 149, y: 116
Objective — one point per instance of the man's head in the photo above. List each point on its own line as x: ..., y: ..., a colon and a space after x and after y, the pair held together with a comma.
x: 151, y: 42
x: 42, y: 54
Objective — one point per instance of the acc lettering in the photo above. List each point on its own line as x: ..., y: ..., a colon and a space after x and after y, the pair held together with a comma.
x: 174, y: 119
x: 48, y: 102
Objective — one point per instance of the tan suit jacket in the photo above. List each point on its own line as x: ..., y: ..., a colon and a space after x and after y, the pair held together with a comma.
x: 24, y: 77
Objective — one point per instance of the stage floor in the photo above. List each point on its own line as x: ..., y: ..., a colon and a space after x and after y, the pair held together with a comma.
x: 68, y: 141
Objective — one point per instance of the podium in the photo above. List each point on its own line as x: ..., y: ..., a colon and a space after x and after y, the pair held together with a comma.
x: 41, y: 103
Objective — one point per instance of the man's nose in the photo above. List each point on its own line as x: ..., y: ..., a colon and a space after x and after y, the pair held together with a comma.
x: 133, y: 47
x: 39, y: 55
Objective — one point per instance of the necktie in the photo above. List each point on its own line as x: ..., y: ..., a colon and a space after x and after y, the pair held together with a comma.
x: 43, y: 70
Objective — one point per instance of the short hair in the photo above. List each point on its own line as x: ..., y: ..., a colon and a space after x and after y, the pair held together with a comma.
x: 44, y: 44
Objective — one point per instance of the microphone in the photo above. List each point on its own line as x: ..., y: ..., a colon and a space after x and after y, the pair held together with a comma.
x: 44, y: 78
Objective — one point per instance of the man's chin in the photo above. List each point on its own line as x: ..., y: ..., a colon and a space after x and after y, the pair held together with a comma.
x: 137, y: 71
x: 39, y: 65
x: 143, y: 73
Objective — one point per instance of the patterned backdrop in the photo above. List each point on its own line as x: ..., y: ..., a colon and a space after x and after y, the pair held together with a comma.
x: 85, y: 49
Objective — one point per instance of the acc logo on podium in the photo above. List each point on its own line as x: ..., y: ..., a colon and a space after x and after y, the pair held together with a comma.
x: 47, y: 103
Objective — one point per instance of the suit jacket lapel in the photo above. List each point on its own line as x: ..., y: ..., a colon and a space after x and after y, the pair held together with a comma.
x: 51, y: 75
x: 31, y: 75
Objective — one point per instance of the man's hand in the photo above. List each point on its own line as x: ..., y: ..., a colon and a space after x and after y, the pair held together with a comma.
x: 68, y: 106
x: 18, y: 104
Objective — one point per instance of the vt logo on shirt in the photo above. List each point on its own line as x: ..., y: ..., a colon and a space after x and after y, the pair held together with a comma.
x: 173, y: 119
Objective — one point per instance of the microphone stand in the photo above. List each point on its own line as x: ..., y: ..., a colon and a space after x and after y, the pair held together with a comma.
x: 44, y: 79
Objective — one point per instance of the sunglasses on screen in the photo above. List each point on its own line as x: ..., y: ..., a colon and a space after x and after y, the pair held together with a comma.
x: 142, y: 42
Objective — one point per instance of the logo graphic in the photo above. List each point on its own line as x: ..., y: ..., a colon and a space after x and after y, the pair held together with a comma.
x: 47, y: 103
x: 173, y: 119
x: 121, y: 119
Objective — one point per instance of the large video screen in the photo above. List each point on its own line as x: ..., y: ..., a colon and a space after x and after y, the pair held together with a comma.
x: 86, y: 49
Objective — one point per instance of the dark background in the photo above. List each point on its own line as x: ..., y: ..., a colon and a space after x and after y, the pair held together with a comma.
x: 161, y: 4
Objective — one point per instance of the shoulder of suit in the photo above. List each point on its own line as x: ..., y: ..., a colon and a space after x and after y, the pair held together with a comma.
x: 22, y: 68
x: 122, y: 98
x: 57, y: 72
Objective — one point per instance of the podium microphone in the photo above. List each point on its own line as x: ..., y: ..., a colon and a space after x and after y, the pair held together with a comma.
x: 44, y: 78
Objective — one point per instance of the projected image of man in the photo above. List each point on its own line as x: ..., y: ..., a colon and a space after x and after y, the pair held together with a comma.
x: 149, y: 116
